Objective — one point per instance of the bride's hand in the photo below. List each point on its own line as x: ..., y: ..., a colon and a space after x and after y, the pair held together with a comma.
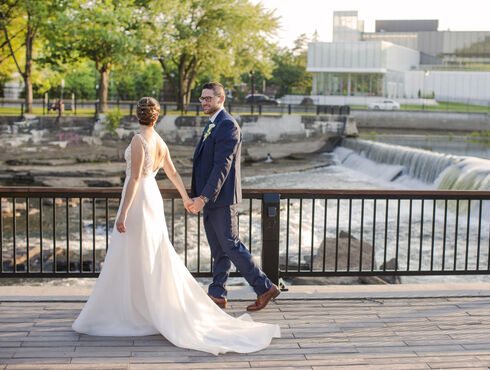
x: 121, y: 224
x: 189, y: 206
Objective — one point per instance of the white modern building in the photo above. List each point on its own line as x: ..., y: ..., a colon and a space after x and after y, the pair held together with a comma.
x: 402, y: 60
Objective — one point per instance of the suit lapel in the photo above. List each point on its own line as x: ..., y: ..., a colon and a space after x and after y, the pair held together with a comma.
x: 201, y: 144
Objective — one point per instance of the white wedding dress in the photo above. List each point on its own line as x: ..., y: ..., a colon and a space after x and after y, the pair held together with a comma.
x: 144, y: 287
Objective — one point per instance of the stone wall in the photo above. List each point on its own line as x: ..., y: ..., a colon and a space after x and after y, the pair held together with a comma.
x: 410, y: 121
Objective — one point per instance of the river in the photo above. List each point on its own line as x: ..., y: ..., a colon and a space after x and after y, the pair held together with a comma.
x: 362, y: 164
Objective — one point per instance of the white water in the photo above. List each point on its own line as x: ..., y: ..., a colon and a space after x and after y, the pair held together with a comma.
x: 400, y: 165
x: 398, y: 168
x: 365, y: 165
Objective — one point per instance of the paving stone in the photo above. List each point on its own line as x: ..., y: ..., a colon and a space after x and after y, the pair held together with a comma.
x: 375, y: 367
x: 467, y: 365
x: 364, y: 334
x: 36, y: 361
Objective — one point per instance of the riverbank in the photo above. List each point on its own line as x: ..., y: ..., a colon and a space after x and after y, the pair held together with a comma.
x: 82, y: 165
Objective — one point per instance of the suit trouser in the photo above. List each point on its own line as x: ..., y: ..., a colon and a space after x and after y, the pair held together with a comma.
x: 221, y: 225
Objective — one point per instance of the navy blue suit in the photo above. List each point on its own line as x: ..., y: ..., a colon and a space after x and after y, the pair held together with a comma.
x: 216, y: 175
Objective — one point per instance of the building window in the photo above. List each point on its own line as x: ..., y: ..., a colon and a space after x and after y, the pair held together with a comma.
x: 349, y: 84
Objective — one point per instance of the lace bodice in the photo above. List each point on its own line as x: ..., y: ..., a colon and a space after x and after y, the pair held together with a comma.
x: 147, y: 160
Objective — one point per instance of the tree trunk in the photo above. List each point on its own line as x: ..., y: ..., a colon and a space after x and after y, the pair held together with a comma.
x: 28, y: 86
x: 28, y: 68
x: 181, y: 98
x: 103, y: 87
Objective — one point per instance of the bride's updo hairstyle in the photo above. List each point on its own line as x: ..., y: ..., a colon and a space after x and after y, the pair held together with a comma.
x: 147, y: 111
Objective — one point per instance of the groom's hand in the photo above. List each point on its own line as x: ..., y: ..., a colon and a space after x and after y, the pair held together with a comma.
x: 198, y: 203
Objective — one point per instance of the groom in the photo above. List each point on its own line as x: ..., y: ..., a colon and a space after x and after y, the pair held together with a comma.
x: 216, y: 188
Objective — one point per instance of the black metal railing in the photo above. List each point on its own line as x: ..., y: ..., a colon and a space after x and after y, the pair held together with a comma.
x: 64, y: 232
x: 362, y: 233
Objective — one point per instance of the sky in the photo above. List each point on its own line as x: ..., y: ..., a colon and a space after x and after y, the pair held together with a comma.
x: 306, y: 16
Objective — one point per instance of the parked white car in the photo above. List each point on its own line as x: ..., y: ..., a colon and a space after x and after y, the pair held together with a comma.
x: 386, y: 104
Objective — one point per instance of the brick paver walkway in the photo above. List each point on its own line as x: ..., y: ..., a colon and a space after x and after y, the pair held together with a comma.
x: 387, y: 333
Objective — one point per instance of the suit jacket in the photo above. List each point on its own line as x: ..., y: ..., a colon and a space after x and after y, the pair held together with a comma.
x: 216, y: 164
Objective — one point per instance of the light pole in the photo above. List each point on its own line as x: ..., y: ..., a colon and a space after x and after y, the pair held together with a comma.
x: 426, y: 74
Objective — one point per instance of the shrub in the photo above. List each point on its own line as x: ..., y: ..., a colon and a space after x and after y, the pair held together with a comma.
x: 112, y: 119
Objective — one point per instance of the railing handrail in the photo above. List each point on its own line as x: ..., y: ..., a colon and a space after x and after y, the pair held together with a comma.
x: 444, y: 231
x: 251, y: 193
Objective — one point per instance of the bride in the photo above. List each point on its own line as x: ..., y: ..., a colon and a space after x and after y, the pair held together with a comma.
x: 144, y: 287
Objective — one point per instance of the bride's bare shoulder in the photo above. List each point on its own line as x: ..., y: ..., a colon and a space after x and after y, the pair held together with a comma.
x: 161, y: 142
x: 137, y: 139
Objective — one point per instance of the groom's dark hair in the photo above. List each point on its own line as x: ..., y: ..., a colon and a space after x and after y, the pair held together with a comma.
x: 217, y: 88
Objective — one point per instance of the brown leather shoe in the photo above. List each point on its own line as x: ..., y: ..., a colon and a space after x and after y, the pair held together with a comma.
x: 220, y: 302
x: 263, y: 299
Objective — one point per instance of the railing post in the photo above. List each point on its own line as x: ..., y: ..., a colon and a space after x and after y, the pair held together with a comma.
x: 270, y: 235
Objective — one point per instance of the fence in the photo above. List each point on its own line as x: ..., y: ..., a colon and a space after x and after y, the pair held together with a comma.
x: 60, y: 232
x: 91, y: 107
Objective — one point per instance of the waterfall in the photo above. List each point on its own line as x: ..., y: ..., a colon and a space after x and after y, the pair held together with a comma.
x: 443, y: 171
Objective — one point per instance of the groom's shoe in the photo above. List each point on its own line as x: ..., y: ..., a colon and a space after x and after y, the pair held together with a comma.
x: 263, y: 299
x: 220, y: 302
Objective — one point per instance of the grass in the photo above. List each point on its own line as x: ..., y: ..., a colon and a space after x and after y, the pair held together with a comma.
x: 442, y: 107
x: 449, y: 107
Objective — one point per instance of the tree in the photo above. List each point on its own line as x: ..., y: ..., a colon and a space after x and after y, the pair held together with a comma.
x: 289, y: 72
x: 221, y: 37
x: 103, y: 31
x: 133, y: 80
x: 21, y: 22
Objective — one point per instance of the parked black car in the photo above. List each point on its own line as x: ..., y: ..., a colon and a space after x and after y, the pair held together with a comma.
x: 261, y: 99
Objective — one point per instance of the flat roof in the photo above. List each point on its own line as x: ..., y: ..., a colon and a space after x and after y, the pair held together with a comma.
x: 407, y: 25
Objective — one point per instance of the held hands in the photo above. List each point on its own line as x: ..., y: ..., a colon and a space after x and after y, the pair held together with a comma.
x: 189, y: 206
x: 194, y: 205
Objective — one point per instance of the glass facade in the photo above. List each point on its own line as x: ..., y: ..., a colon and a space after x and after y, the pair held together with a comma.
x: 348, y: 84
x: 346, y: 26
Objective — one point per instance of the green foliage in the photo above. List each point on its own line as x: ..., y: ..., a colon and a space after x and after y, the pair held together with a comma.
x: 225, y: 37
x: 112, y: 119
x: 289, y: 74
x: 131, y: 48
x: 482, y: 134
x: 132, y: 81
x: 103, y: 31
x: 22, y: 25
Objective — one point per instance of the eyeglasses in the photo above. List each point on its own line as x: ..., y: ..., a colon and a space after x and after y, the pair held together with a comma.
x: 207, y: 98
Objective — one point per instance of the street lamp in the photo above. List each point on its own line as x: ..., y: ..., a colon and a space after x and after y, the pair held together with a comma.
x: 426, y: 75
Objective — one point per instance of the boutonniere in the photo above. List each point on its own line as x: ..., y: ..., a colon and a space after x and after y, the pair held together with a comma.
x: 208, y: 131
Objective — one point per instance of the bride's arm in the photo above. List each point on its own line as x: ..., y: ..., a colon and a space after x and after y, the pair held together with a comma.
x: 137, y: 156
x: 173, y: 175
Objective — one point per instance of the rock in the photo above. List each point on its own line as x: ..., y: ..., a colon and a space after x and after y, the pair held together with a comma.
x: 345, y: 259
x: 343, y: 255
x: 351, y: 128
x: 344, y: 234
x: 390, y: 265
x: 35, y: 260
